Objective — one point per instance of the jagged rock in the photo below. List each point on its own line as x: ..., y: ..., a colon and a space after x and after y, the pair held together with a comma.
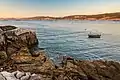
x: 19, y: 74
x: 12, y: 39
x: 2, y: 77
x: 116, y: 77
x: 2, y: 42
x: 3, y: 56
x: 72, y: 70
x: 24, y: 51
x: 23, y: 56
x: 35, y: 77
x: 26, y: 76
x: 8, y: 27
x: 36, y: 54
x: 35, y: 64
x: 22, y: 59
x: 8, y: 76
x: 14, y: 73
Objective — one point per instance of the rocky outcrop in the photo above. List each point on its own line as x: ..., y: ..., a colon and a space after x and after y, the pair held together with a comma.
x: 28, y: 63
x: 90, y: 70
x: 19, y: 51
x: 70, y: 69
x: 86, y: 70
x: 12, y: 39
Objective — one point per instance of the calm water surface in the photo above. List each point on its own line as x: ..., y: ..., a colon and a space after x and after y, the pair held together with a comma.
x: 69, y: 38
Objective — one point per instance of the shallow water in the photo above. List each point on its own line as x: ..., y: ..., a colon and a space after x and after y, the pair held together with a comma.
x: 61, y: 38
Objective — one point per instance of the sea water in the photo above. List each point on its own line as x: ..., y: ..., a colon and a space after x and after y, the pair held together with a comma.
x: 70, y: 38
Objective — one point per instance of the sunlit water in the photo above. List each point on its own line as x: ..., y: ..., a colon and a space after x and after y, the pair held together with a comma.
x: 69, y: 38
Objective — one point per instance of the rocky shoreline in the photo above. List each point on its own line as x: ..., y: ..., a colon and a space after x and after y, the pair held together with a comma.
x: 21, y: 59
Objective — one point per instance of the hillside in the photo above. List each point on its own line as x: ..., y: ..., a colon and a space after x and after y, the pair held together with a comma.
x: 105, y: 16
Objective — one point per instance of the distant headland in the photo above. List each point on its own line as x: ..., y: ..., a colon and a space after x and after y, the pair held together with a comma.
x: 105, y: 16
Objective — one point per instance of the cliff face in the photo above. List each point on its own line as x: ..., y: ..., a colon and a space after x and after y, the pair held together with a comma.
x: 13, y: 38
x: 17, y: 47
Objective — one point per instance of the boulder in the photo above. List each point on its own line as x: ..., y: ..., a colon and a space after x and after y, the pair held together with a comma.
x: 19, y: 74
x: 8, y: 76
x: 7, y: 27
x: 34, y: 64
x: 2, y: 77
x: 3, y: 56
x: 116, y: 77
x: 35, y: 77
x: 26, y: 76
x: 23, y: 56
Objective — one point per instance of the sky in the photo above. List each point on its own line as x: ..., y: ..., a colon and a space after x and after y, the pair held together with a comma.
x: 30, y: 8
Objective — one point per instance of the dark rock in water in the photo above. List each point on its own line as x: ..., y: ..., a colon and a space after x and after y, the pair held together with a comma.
x: 36, y: 50
x: 36, y: 54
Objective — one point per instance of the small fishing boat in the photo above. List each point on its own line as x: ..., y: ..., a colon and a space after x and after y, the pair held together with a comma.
x: 94, y: 35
